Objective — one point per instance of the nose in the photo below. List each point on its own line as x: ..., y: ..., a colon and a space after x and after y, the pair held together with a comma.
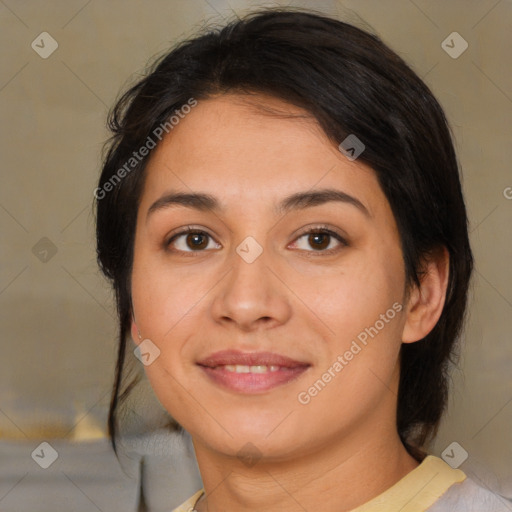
x: 252, y: 295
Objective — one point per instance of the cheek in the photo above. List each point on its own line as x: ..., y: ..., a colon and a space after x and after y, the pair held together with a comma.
x: 161, y: 297
x: 356, y: 295
x: 362, y: 310
x: 166, y: 313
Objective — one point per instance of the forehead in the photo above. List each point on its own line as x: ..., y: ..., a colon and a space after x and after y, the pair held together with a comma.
x: 253, y: 149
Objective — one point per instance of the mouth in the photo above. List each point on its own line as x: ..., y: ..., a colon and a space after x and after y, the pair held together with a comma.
x: 251, y: 372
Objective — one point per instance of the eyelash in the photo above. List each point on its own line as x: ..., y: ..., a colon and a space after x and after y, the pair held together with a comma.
x: 324, y: 230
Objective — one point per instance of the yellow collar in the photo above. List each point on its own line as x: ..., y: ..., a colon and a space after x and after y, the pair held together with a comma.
x: 418, y: 490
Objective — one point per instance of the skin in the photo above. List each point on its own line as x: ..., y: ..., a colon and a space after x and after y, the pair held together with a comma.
x: 342, y: 448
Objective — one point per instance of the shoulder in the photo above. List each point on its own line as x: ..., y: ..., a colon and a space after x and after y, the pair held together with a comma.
x: 469, y: 496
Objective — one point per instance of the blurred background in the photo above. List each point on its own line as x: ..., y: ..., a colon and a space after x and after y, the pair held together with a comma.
x: 63, y: 63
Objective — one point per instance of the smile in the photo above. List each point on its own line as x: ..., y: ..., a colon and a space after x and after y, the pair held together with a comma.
x: 251, y: 379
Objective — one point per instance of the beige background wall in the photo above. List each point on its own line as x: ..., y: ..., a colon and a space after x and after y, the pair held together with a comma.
x: 57, y: 319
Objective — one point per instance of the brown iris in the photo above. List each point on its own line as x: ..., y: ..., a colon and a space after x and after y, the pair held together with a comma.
x: 319, y: 240
x: 194, y: 240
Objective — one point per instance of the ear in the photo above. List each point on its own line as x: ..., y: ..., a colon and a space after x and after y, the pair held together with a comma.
x: 135, y: 332
x: 425, y: 304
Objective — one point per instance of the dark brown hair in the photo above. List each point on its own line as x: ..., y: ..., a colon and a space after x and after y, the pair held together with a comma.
x: 352, y: 83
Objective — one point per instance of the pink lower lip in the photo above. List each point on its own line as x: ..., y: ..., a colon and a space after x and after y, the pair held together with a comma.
x: 252, y: 382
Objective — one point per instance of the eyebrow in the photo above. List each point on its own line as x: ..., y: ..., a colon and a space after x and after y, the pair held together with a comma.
x: 298, y: 201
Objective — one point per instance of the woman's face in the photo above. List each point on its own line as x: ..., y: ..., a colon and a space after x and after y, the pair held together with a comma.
x: 261, y: 276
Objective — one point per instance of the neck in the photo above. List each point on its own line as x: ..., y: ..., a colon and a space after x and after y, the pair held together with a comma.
x: 339, y: 476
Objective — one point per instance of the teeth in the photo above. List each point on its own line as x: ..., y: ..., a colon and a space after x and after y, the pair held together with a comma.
x: 249, y: 369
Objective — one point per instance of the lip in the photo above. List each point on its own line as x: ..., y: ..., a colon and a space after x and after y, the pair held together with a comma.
x: 249, y: 359
x: 250, y: 383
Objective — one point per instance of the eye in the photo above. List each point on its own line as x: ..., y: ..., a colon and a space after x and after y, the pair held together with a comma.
x: 190, y: 240
x: 322, y: 240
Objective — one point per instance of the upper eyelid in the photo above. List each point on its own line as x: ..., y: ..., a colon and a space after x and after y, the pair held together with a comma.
x: 318, y: 229
x: 186, y: 231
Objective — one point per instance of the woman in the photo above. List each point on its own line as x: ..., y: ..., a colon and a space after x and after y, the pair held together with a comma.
x: 281, y: 216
